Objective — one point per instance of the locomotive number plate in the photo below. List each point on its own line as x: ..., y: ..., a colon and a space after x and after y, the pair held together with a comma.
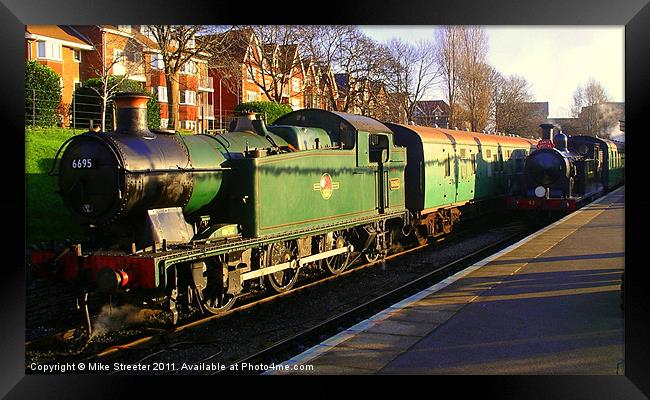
x: 83, y: 163
x: 394, y: 183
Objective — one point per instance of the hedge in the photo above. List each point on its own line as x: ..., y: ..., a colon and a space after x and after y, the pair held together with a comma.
x: 271, y: 110
x: 42, y: 94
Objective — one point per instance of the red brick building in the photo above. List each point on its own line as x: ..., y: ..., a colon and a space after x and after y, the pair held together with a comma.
x: 59, y: 48
x: 248, y: 68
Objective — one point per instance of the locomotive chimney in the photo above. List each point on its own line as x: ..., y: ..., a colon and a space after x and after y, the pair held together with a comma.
x: 132, y: 114
x: 547, y: 131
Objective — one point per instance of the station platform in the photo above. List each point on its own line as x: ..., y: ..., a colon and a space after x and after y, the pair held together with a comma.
x: 549, y: 304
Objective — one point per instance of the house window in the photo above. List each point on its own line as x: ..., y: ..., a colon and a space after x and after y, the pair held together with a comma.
x: 189, y: 68
x: 251, y: 96
x: 295, y: 104
x: 77, y: 84
x: 188, y: 97
x: 190, y: 125
x: 295, y: 84
x: 162, y: 94
x: 118, y: 62
x: 76, y: 55
x: 49, y: 50
x: 157, y: 61
x: 134, y: 56
x: 164, y: 122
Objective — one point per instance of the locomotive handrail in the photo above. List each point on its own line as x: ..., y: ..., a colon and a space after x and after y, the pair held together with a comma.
x: 214, y: 137
x: 139, y: 171
x: 88, y: 135
x: 56, y: 157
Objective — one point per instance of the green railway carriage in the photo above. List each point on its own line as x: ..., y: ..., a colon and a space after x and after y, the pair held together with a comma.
x: 611, y: 155
x: 615, y: 160
x: 448, y: 169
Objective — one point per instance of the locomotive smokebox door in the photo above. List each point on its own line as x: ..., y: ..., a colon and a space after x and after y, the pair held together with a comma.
x: 169, y: 224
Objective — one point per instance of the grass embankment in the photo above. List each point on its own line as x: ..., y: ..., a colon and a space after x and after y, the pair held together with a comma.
x: 47, y: 217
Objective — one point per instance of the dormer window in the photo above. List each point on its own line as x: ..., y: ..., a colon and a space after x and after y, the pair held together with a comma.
x: 124, y: 28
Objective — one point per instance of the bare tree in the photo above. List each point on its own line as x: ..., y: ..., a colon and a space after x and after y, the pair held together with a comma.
x: 326, y: 45
x: 586, y: 101
x: 448, y: 56
x: 228, y: 55
x: 512, y: 111
x: 272, y: 59
x: 178, y: 45
x: 476, y: 79
x: 358, y: 60
x: 113, y: 70
x: 411, y: 71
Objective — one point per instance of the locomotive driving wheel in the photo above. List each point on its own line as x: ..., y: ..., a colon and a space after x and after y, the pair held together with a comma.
x: 279, y: 253
x: 337, y: 264
x: 214, y: 297
x: 372, y: 255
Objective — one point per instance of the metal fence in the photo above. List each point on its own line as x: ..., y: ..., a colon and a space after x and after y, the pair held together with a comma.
x: 82, y: 112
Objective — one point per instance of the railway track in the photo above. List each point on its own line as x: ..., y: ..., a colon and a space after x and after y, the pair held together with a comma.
x: 289, y: 347
x: 161, y: 337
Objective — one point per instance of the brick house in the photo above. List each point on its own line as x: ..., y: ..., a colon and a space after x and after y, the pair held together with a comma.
x: 289, y: 65
x: 362, y: 96
x: 232, y: 79
x: 196, y: 89
x: 61, y: 49
x: 246, y: 65
x: 431, y: 112
x: 318, y: 93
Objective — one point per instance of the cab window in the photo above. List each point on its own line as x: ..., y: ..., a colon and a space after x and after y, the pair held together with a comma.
x: 377, y: 145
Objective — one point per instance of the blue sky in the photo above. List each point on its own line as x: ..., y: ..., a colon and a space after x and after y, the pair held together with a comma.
x: 554, y: 59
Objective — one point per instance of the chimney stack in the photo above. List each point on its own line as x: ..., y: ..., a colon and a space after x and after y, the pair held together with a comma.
x: 547, y: 131
x: 132, y: 114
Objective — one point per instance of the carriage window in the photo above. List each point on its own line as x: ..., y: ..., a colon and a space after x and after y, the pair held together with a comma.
x: 473, y: 160
x: 488, y: 154
x: 378, y: 143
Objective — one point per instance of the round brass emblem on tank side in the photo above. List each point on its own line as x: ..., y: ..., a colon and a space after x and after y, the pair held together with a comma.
x: 326, y: 186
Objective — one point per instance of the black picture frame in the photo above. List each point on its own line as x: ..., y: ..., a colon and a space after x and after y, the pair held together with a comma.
x: 14, y: 14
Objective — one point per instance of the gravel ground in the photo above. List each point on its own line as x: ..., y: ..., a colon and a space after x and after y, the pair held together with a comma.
x: 229, y: 339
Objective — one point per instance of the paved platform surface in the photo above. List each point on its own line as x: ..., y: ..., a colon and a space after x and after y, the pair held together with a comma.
x: 549, y: 304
